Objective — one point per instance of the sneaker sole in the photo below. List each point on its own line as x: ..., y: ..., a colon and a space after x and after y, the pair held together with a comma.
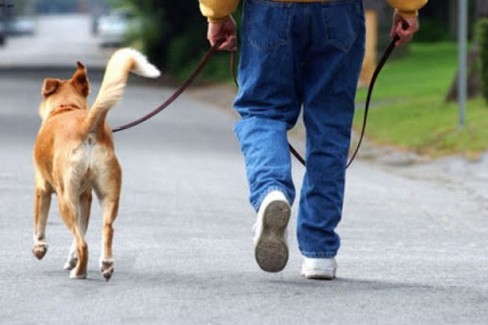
x: 318, y: 275
x: 271, y: 251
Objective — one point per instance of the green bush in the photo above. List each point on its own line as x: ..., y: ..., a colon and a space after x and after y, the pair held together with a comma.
x: 163, y: 22
x: 482, y: 38
x: 184, y: 50
x: 433, y: 30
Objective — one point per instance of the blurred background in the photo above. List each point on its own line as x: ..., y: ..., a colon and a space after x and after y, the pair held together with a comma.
x: 172, y: 33
x: 417, y: 89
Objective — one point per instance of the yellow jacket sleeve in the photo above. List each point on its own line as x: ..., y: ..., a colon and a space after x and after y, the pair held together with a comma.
x: 407, y: 8
x: 216, y: 10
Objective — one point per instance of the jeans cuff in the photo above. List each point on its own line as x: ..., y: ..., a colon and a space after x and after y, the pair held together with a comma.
x: 269, y: 190
x: 319, y: 255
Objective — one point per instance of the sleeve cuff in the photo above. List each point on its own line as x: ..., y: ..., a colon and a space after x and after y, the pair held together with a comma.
x: 407, y: 14
x: 217, y: 20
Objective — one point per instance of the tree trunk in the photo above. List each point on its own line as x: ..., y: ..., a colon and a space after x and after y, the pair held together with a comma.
x: 481, y: 8
x: 474, y: 83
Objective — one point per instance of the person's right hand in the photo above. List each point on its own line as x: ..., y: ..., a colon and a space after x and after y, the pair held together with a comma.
x: 224, y: 31
x: 404, y: 27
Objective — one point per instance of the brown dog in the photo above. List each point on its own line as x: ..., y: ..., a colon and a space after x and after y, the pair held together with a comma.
x: 74, y: 154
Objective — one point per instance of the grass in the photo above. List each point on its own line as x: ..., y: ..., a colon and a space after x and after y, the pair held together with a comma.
x: 409, y: 111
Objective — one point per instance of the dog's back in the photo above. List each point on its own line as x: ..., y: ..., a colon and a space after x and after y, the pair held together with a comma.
x: 69, y: 127
x: 74, y: 154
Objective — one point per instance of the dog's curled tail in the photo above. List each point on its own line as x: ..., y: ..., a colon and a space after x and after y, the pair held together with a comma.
x: 115, y: 78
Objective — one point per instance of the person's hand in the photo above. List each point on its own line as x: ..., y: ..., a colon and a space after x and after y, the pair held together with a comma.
x: 404, y: 27
x: 224, y: 31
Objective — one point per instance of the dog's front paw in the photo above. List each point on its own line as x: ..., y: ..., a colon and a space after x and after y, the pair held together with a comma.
x: 107, y: 268
x: 39, y: 249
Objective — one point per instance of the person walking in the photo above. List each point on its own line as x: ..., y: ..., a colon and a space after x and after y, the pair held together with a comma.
x: 298, y: 55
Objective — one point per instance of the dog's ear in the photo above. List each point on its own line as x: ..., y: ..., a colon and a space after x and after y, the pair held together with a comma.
x: 50, y: 86
x: 80, y: 81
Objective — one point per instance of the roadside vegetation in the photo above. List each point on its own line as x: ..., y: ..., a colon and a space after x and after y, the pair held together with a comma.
x: 409, y: 110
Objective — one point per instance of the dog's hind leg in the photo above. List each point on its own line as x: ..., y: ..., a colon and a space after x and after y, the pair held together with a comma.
x: 110, y: 208
x: 69, y: 212
x: 42, y: 202
x: 85, y: 207
x: 109, y: 194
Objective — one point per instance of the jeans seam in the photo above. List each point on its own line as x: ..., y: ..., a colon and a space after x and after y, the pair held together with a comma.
x: 278, y: 4
x: 269, y: 190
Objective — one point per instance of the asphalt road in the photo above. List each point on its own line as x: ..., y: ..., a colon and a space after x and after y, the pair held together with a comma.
x: 414, y: 237
x: 59, y: 41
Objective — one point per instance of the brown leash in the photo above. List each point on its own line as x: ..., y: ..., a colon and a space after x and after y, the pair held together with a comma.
x: 295, y: 153
x: 379, y: 67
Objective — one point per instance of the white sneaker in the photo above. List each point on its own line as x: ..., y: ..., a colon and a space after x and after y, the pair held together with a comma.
x: 319, y: 268
x: 270, y: 242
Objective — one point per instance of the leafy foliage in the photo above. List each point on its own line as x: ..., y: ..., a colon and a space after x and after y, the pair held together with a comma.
x: 172, y: 32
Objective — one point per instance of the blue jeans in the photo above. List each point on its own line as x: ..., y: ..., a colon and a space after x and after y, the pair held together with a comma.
x: 296, y: 55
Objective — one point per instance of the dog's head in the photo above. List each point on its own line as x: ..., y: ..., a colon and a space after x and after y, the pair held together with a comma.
x: 72, y: 92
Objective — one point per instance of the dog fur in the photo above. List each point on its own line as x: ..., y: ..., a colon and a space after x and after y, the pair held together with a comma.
x: 74, y: 155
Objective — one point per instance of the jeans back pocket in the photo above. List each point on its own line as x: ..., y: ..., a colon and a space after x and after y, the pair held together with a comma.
x: 266, y: 23
x: 342, y: 19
